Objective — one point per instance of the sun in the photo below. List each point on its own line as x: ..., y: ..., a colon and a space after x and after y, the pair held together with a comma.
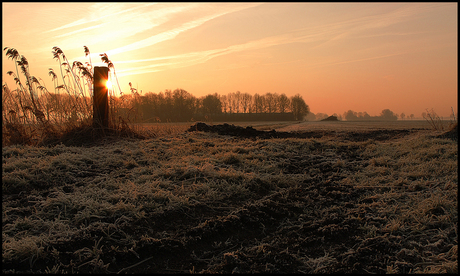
x: 108, y: 84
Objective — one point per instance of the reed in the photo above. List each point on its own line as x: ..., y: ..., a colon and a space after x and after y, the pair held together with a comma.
x: 32, y: 115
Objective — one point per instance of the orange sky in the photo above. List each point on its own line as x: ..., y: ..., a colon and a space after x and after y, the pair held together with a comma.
x: 363, y: 57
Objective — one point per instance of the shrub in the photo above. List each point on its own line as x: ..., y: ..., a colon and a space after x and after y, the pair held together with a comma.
x: 437, y: 123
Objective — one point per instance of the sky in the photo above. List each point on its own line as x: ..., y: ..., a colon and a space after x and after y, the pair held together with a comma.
x: 364, y: 57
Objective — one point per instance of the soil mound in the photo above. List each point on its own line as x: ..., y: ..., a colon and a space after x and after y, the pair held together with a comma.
x: 250, y: 132
x: 232, y: 130
x: 331, y: 118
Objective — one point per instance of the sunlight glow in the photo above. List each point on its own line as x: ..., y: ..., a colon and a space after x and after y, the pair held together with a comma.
x: 108, y: 84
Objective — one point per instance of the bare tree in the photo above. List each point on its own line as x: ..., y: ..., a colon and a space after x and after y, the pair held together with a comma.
x: 224, y: 102
x: 283, y: 103
x: 237, y: 100
x: 230, y: 104
x: 246, y: 100
x: 258, y: 103
x: 270, y: 102
x: 299, y: 108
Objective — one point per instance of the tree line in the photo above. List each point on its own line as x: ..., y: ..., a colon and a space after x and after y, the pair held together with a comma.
x: 350, y: 115
x: 181, y: 106
x: 385, y: 115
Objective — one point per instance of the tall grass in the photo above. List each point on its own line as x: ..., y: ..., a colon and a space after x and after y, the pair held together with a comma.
x: 33, y: 115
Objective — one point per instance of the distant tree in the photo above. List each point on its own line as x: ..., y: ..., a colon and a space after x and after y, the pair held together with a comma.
x: 283, y: 103
x: 167, y: 109
x: 184, y: 105
x: 230, y: 103
x: 211, y: 104
x: 299, y: 108
x: 258, y: 103
x: 147, y: 106
x: 270, y: 102
x: 365, y: 116
x: 234, y: 101
x: 246, y: 100
x: 263, y: 104
x: 412, y: 116
x: 339, y: 117
x: 402, y: 116
x: 310, y: 117
x: 388, y: 115
x: 320, y: 116
x: 237, y: 100
x: 224, y: 103
x: 350, y: 115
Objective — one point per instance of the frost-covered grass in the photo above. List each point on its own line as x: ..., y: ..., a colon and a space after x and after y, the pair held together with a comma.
x: 98, y: 209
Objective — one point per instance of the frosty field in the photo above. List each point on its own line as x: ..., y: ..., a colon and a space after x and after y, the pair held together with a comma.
x: 337, y: 198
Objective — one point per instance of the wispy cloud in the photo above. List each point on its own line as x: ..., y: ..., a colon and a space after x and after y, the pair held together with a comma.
x: 323, y: 64
x: 370, y: 26
x: 100, y: 12
x: 70, y: 25
x: 139, y: 19
x: 189, y: 59
x: 114, y: 23
x: 169, y: 62
x: 171, y: 34
x: 80, y: 30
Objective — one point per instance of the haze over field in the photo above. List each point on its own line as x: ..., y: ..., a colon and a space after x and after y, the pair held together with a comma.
x: 338, y: 57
